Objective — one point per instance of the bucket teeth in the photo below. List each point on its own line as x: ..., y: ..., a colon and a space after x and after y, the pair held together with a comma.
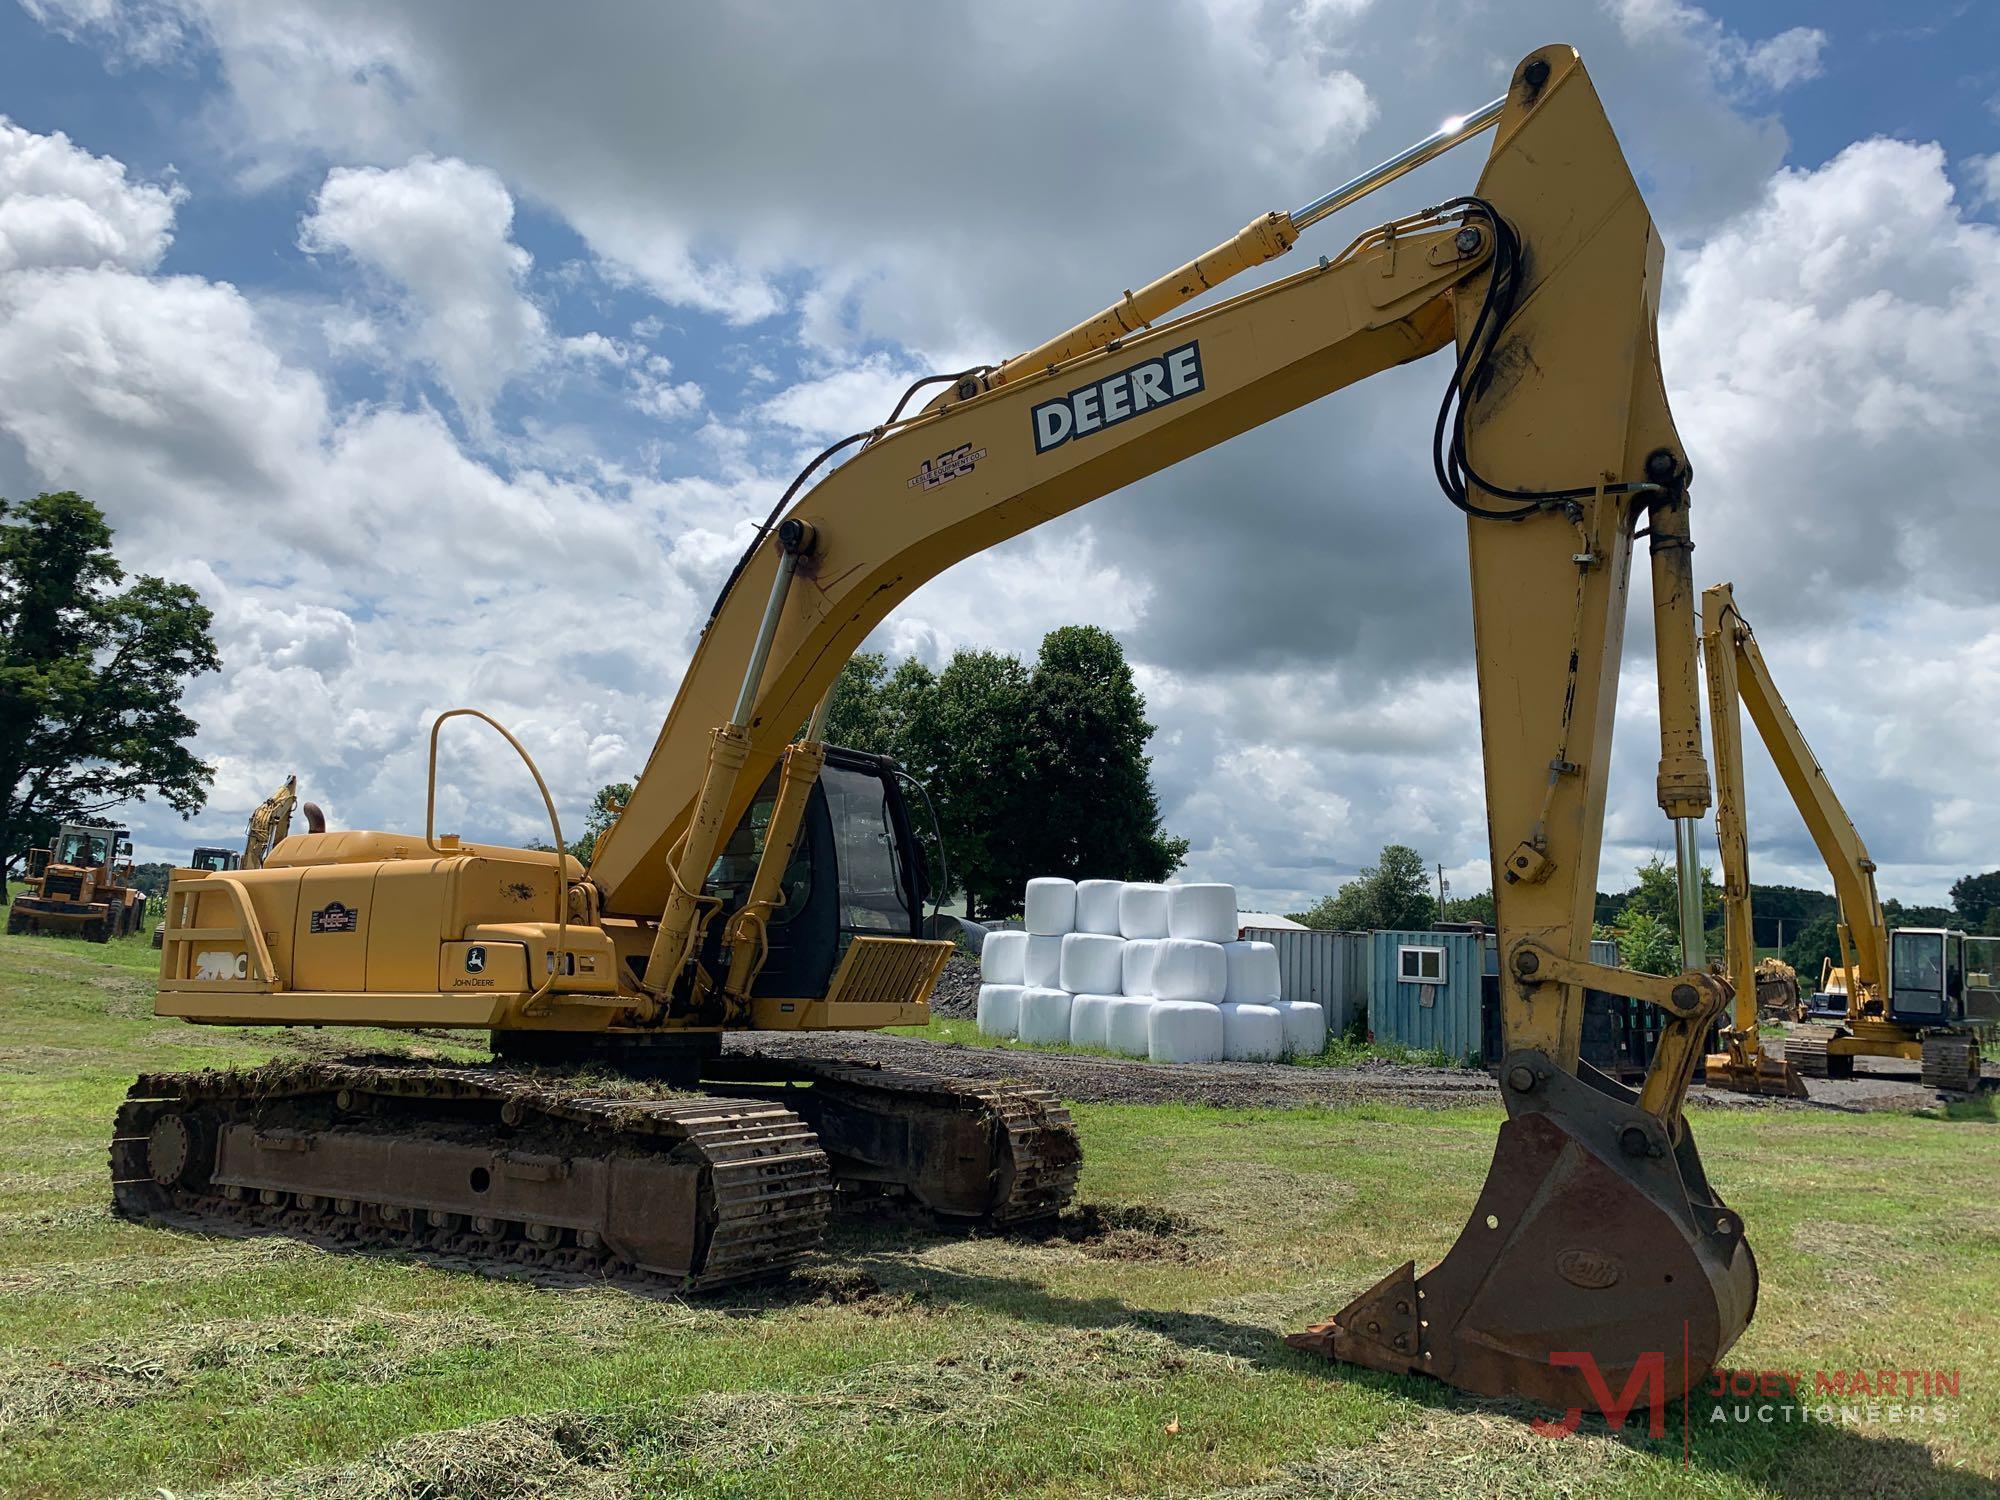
x: 1380, y: 1328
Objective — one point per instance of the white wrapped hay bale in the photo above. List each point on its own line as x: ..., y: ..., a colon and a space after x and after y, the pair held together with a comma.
x: 1050, y: 906
x: 1043, y: 962
x: 1184, y: 1031
x: 1044, y: 1014
x: 1305, y: 1027
x: 1206, y: 913
x: 1252, y: 1033
x: 1090, y: 1020
x: 1184, y: 969
x: 1142, y: 910
x: 1125, y: 1025
x: 1092, y: 963
x: 1139, y: 955
x: 1003, y: 958
x: 1097, y: 903
x: 999, y: 1009
x: 1253, y: 972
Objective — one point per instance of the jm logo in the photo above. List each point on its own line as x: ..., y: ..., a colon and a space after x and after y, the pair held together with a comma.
x: 1648, y: 1379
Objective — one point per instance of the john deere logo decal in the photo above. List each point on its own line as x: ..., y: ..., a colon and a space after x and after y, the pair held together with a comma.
x: 475, y: 960
x: 1116, y: 398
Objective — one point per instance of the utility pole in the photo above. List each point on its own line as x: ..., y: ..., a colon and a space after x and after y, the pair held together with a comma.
x: 1444, y: 891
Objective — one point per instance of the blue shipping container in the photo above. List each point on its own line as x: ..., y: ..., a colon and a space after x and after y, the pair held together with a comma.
x: 1425, y: 989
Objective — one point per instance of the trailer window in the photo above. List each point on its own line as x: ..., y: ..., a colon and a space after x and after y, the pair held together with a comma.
x: 874, y: 894
x: 1420, y: 965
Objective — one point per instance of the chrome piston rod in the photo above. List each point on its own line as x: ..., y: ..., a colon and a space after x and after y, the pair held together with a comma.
x: 1434, y: 145
x: 1687, y: 861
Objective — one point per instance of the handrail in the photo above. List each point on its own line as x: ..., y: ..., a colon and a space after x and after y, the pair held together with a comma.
x: 555, y: 826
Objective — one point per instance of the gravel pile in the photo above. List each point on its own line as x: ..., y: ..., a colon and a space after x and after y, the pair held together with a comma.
x: 957, y: 994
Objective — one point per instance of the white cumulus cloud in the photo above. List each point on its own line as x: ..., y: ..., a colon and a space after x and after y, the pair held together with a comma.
x: 62, y: 206
x: 440, y: 233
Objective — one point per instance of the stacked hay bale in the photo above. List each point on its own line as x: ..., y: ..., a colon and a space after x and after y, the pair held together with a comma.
x: 1144, y: 970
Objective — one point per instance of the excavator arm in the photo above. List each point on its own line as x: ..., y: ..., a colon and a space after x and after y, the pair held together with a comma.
x: 1557, y: 444
x: 1742, y: 1065
x: 1735, y: 658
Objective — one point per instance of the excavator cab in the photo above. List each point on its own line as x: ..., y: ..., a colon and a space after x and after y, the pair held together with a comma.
x: 214, y: 860
x: 1926, y: 976
x: 857, y: 870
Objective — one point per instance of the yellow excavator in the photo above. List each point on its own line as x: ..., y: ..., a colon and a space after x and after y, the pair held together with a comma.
x: 759, y: 881
x: 1922, y: 994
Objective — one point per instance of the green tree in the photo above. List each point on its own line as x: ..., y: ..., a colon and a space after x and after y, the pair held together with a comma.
x: 152, y: 879
x: 1657, y: 895
x: 1817, y: 941
x: 858, y: 717
x: 963, y: 739
x: 1895, y: 914
x: 1648, y: 944
x: 604, y: 810
x: 1393, y: 894
x: 91, y: 675
x: 1092, y: 811
x: 1474, y: 908
x: 1976, y: 899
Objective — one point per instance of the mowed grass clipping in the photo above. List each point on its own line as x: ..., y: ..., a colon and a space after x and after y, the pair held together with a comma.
x: 1139, y: 1354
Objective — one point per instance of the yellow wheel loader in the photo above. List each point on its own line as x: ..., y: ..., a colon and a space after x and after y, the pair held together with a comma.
x: 760, y: 881
x: 1924, y: 994
x: 80, y: 887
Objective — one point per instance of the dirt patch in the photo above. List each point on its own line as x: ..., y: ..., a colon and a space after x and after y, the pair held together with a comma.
x: 1131, y: 1231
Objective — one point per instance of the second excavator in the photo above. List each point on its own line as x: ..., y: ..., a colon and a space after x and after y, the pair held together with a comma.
x: 760, y: 881
x: 1926, y: 994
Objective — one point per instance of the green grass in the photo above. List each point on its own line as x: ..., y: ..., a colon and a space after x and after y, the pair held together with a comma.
x: 1147, y: 1363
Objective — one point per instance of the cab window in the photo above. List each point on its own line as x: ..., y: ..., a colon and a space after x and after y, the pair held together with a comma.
x: 736, y: 866
x: 874, y: 891
x: 79, y: 848
x: 1916, y: 962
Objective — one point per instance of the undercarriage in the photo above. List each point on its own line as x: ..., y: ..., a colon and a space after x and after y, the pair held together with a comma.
x: 611, y: 1176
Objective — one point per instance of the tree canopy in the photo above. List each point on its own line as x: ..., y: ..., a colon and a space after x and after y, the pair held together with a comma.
x: 1393, y: 893
x: 1035, y: 770
x: 91, y: 674
x: 1975, y: 900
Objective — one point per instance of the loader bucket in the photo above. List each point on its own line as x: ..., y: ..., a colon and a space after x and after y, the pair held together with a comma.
x: 1596, y: 1253
x: 1741, y: 1073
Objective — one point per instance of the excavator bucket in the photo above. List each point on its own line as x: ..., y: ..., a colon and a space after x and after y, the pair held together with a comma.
x: 1598, y: 1264
x: 1742, y: 1073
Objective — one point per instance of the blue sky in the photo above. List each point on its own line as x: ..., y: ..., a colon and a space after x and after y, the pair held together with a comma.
x: 447, y: 350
